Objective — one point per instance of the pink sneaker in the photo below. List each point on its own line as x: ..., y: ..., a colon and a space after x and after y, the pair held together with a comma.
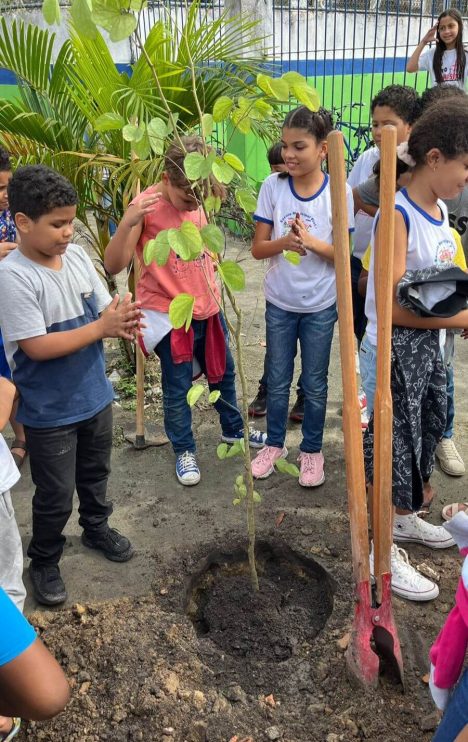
x: 311, y: 469
x: 264, y: 463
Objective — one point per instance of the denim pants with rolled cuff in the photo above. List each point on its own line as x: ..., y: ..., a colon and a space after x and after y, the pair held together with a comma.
x: 314, y: 330
x: 368, y: 366
x: 76, y: 455
x: 455, y: 717
x: 176, y: 381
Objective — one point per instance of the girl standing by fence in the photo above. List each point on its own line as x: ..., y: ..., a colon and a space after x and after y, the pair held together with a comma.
x: 447, y: 61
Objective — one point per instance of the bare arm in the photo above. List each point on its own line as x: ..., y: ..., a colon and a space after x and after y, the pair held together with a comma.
x: 121, y: 247
x: 33, y: 685
x: 413, y: 62
x: 7, y: 396
x: 403, y: 317
x: 263, y: 247
x: 360, y: 205
x: 118, y: 320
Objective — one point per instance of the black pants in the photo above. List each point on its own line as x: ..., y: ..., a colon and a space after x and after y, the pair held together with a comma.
x: 60, y: 459
x: 359, y: 302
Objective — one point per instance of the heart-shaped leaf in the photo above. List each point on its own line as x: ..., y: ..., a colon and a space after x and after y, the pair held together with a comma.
x: 109, y: 122
x: 222, y: 108
x: 214, y: 396
x: 213, y: 238
x: 80, y: 12
x: 186, y: 241
x: 51, y: 12
x: 181, y: 311
x: 156, y: 130
x: 234, y: 162
x: 246, y: 200
x: 232, y: 275
x: 207, y: 124
x: 194, y: 394
x: 292, y: 257
x: 223, y: 171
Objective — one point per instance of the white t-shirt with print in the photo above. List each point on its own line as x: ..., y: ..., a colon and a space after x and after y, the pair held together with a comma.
x: 362, y: 171
x: 309, y: 286
x: 9, y: 473
x: 430, y: 242
x: 449, y: 67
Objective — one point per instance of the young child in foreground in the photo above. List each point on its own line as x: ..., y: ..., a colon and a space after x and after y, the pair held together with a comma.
x: 437, y: 153
x: 8, y: 242
x: 294, y: 213
x: 167, y: 205
x: 54, y: 313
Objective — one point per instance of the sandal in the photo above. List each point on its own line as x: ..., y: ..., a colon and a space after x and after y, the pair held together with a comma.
x: 17, y: 458
x: 15, y: 727
x: 455, y: 507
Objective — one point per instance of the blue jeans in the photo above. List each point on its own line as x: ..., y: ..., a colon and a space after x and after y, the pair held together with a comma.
x: 368, y: 365
x: 176, y: 381
x: 455, y: 717
x: 450, y: 401
x: 315, y: 332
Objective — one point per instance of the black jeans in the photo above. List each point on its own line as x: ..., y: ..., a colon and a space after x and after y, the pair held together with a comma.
x: 60, y: 459
x: 359, y: 302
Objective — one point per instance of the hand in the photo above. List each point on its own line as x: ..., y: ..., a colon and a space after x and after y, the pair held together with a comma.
x: 302, y: 232
x: 293, y: 242
x: 6, y: 248
x: 141, y: 208
x: 121, y: 320
x: 430, y: 35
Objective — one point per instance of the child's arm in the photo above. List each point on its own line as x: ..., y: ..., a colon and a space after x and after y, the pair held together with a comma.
x: 7, y: 397
x: 413, y: 62
x: 264, y: 247
x: 121, y: 247
x: 403, y: 317
x: 360, y: 205
x: 6, y: 248
x: 118, y: 320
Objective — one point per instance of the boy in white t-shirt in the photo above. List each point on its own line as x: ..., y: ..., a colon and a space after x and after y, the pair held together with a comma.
x: 11, y: 551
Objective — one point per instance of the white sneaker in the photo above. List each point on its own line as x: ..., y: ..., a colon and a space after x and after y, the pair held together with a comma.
x: 412, y: 529
x: 407, y: 582
x: 450, y: 460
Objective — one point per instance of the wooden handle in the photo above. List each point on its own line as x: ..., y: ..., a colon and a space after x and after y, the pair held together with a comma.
x: 139, y: 357
x: 383, y: 410
x: 354, y: 458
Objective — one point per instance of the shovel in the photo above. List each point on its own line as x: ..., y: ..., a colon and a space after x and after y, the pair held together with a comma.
x: 142, y: 436
x: 373, y: 624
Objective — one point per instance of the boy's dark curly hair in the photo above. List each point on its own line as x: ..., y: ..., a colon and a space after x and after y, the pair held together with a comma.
x: 36, y: 190
x: 5, y: 164
x: 403, y: 100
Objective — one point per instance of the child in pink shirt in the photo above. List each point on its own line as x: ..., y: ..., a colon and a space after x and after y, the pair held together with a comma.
x: 167, y: 205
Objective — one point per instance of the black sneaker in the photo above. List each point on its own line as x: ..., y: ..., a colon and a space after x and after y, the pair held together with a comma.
x: 258, y: 407
x: 297, y: 410
x: 48, y: 586
x: 113, y: 545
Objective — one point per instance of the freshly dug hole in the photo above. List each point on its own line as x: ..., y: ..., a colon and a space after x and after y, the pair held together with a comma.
x: 292, y: 607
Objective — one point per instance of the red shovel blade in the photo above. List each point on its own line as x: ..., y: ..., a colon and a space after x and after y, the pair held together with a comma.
x: 375, y: 624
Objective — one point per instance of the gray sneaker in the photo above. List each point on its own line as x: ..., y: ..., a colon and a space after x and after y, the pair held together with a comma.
x: 450, y: 460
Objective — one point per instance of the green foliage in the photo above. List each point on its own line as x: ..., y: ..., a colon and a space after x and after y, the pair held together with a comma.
x: 51, y: 12
x: 158, y: 249
x: 213, y: 238
x: 232, y: 275
x: 186, y: 241
x: 214, y: 396
x: 292, y: 257
x: 285, y: 467
x: 181, y: 311
x: 194, y: 394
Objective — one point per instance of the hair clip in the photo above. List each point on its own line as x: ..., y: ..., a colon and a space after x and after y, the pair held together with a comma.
x: 404, y: 155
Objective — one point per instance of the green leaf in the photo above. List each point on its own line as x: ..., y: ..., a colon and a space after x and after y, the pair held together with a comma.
x: 263, y: 82
x: 234, y: 450
x: 157, y: 133
x: 181, y: 310
x: 234, y: 162
x: 261, y: 110
x: 80, y: 12
x: 286, y: 468
x: 232, y: 275
x: 241, y: 121
x: 141, y: 147
x: 109, y: 122
x: 222, y: 450
x: 132, y: 133
x: 207, y: 124
x: 239, y: 479
x: 194, y: 394
x: 214, y: 396
x: 236, y: 501
x: 246, y: 200
x: 51, y: 12
x: 213, y: 203
x: 222, y: 108
x: 279, y: 88
x: 193, y: 163
x: 213, y: 238
x: 257, y: 498
x: 186, y: 241
x: 113, y: 15
x: 292, y: 257
x: 157, y: 249
x: 223, y: 171
x: 307, y: 96
x: 294, y: 78
x: 241, y: 490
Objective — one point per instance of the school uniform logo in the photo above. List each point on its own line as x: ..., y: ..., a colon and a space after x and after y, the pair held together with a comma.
x: 287, y: 221
x: 445, y: 253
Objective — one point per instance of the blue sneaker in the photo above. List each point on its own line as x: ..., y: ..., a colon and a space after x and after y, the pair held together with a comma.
x: 257, y: 439
x: 187, y: 470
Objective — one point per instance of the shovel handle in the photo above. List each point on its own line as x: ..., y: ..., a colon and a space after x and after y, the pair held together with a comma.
x: 354, y: 459
x: 383, y: 409
x: 139, y: 357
